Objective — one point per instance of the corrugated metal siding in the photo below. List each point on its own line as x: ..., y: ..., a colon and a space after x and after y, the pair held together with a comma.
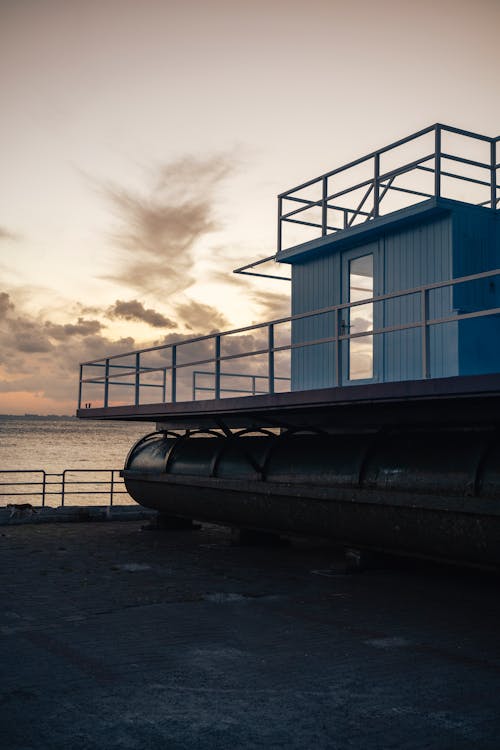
x: 411, y: 258
x: 406, y: 258
x: 315, y: 284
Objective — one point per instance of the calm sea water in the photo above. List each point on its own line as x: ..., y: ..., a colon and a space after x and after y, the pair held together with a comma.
x: 58, y: 444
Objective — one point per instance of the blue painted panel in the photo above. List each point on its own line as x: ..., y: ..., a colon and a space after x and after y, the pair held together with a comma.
x: 476, y: 248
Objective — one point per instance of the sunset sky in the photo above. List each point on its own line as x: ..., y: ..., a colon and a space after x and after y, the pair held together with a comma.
x: 143, y: 143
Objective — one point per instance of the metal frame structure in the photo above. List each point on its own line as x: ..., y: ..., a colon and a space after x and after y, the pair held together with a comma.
x: 368, y: 206
x: 253, y: 390
x: 115, y: 372
x: 43, y: 484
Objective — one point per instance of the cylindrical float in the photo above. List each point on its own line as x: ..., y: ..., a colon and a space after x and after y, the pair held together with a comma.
x: 419, y: 492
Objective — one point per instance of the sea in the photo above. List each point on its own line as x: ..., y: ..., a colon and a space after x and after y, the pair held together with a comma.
x: 57, y: 444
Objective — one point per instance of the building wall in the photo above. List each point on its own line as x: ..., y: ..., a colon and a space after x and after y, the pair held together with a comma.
x: 414, y: 257
x: 405, y: 258
x: 476, y: 248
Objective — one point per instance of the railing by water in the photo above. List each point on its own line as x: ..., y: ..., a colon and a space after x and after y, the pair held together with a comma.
x: 271, y: 344
x: 28, y: 485
x: 364, y: 189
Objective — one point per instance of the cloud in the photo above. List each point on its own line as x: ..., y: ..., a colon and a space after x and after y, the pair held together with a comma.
x: 5, y: 304
x: 273, y: 305
x: 198, y: 316
x: 135, y: 310
x: 6, y: 234
x: 81, y: 328
x: 159, y: 229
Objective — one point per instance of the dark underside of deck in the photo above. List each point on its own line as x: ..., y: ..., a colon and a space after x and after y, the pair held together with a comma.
x: 457, y: 400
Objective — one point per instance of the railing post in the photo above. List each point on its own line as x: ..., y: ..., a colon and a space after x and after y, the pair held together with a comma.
x: 137, y: 378
x: 338, y: 348
x: 44, y: 486
x: 80, y: 385
x: 324, y: 207
x: 437, y: 161
x: 217, y: 367
x: 280, y: 211
x: 164, y: 385
x: 174, y: 373
x: 376, y: 185
x: 63, y: 486
x: 493, y: 173
x: 270, y: 357
x: 111, y: 486
x: 425, y: 332
x: 106, y: 385
x: 194, y: 385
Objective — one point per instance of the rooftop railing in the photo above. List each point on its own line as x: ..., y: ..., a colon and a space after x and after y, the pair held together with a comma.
x: 438, y: 161
x: 262, y: 353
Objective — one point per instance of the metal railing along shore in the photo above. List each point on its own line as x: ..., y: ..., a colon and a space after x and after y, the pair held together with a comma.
x: 38, y: 485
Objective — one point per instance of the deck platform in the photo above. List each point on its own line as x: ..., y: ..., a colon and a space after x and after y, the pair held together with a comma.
x: 449, y: 400
x: 113, y: 637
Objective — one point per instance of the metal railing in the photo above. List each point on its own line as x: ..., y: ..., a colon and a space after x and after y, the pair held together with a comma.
x: 253, y: 390
x: 335, y: 201
x: 39, y: 484
x: 212, y: 345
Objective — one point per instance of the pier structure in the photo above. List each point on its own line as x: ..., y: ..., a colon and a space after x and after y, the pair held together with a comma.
x: 370, y: 414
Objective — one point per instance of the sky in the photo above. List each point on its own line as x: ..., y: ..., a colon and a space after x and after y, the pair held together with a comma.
x: 143, y: 144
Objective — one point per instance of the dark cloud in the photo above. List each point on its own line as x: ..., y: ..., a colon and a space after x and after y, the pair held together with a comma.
x: 135, y: 310
x: 81, y: 328
x: 5, y: 304
x: 158, y: 230
x: 198, y: 316
x: 26, y: 335
x: 272, y: 305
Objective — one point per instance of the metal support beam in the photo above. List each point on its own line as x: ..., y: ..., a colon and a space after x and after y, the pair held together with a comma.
x: 217, y: 367
x: 270, y: 359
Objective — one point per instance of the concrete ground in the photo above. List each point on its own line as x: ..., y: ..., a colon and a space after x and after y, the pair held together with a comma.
x: 113, y: 637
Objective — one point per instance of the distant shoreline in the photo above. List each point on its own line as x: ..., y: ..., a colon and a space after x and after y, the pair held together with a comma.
x: 38, y: 416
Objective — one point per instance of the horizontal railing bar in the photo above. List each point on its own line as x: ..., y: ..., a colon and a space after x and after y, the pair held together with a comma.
x: 304, y: 223
x: 359, y: 185
x: 465, y: 179
x: 406, y: 167
x: 467, y: 133
x: 304, y: 200
x: 27, y: 471
x: 464, y: 160
x: 142, y: 385
x: 311, y: 224
x: 240, y: 375
x: 309, y: 205
x: 230, y: 390
x: 406, y: 190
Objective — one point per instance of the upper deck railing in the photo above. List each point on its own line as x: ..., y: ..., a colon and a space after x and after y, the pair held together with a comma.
x: 257, y: 359
x: 438, y: 161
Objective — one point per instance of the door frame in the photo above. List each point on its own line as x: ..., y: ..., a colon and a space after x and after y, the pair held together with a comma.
x: 345, y: 259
